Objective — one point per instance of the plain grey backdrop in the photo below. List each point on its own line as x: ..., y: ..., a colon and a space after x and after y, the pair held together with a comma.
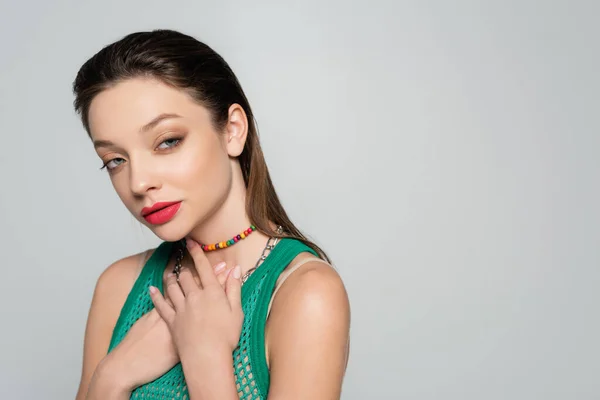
x: 444, y: 153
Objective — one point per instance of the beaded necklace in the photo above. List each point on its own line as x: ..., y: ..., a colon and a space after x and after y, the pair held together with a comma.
x: 227, y: 243
x: 267, y: 249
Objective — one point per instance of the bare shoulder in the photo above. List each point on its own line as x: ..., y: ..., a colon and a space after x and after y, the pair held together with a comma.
x: 311, y: 286
x: 115, y: 283
x: 309, y: 325
x: 308, y: 276
x: 121, y: 274
x: 110, y: 293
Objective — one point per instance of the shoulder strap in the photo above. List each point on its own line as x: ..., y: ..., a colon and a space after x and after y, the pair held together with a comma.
x: 143, y: 258
x: 158, y: 266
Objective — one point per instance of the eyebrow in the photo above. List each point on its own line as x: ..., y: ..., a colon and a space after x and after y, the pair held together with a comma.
x: 155, y: 121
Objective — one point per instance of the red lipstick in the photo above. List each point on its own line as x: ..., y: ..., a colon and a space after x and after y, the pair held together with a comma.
x: 160, y: 213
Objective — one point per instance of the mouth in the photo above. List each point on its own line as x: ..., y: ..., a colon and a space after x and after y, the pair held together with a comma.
x: 160, y: 213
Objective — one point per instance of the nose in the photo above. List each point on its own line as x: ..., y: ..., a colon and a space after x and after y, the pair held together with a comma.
x: 142, y: 178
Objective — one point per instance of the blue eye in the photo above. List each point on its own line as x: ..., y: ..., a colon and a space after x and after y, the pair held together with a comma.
x: 170, y: 143
x: 112, y: 164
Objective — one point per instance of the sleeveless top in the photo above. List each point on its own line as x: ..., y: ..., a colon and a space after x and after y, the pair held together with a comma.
x: 249, y: 360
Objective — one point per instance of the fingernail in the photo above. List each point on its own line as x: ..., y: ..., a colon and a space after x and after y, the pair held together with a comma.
x: 153, y: 289
x: 219, y: 267
x: 237, y: 272
x: 170, y: 274
x: 190, y: 243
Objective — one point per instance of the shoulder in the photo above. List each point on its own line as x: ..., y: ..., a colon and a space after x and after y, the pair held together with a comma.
x: 113, y: 287
x: 311, y: 286
x: 122, y: 273
x: 310, y: 298
x: 309, y: 325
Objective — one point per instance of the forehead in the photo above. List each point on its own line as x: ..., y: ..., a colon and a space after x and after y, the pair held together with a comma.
x: 128, y: 105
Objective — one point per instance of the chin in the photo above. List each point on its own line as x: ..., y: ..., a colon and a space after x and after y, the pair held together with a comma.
x: 169, y: 235
x: 170, y: 232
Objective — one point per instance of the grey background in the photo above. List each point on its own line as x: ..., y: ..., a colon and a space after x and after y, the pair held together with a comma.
x: 445, y: 154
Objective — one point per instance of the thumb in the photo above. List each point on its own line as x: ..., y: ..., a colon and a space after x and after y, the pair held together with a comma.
x: 233, y: 288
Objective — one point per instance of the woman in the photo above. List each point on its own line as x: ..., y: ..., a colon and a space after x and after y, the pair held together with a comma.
x: 235, y: 302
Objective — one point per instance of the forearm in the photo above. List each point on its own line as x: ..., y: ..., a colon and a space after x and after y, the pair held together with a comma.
x: 105, y: 385
x: 209, y: 376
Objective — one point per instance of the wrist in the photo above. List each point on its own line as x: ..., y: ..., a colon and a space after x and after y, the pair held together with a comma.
x: 109, y: 381
x: 204, y: 355
x: 209, y: 373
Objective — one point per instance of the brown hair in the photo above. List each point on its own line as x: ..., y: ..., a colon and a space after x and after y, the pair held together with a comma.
x: 187, y: 64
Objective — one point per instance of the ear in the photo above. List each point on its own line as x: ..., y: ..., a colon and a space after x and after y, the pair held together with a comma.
x: 236, y: 130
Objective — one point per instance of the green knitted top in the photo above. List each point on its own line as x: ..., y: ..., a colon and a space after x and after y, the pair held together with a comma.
x: 249, y: 360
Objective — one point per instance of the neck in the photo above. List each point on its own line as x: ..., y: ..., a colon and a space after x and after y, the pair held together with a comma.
x: 225, y: 223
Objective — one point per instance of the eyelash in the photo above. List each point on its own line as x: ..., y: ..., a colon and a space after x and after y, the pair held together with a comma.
x: 178, y: 142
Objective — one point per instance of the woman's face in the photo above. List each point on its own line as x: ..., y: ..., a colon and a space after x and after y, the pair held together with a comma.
x: 159, y: 146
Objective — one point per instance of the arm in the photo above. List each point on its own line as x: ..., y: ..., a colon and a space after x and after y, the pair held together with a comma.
x: 307, y: 335
x: 109, y: 296
x: 104, y: 386
x: 208, y: 378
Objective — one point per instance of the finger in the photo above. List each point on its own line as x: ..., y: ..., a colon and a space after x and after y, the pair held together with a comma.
x: 174, y: 291
x: 233, y: 288
x: 170, y: 303
x: 161, y: 306
x: 219, y: 267
x: 222, y: 277
x: 221, y: 271
x: 205, y: 271
x: 187, y: 282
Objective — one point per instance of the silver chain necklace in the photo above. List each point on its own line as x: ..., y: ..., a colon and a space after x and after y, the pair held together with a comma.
x: 266, y: 250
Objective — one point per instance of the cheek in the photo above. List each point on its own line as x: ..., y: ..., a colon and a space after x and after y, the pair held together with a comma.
x: 203, y: 170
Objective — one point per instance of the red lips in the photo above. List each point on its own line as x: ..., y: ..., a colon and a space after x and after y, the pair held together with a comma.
x: 160, y: 213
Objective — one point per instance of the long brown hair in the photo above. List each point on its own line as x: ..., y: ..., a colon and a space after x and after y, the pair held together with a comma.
x: 185, y: 63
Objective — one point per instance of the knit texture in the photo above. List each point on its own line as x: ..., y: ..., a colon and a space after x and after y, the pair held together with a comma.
x: 249, y: 360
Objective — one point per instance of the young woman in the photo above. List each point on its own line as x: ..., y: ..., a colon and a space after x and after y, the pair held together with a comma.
x: 235, y: 302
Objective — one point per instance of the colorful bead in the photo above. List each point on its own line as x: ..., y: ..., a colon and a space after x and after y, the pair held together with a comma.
x: 230, y: 242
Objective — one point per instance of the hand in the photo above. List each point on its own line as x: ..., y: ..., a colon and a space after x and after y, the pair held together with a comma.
x: 147, y: 351
x: 144, y: 354
x: 203, y: 316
